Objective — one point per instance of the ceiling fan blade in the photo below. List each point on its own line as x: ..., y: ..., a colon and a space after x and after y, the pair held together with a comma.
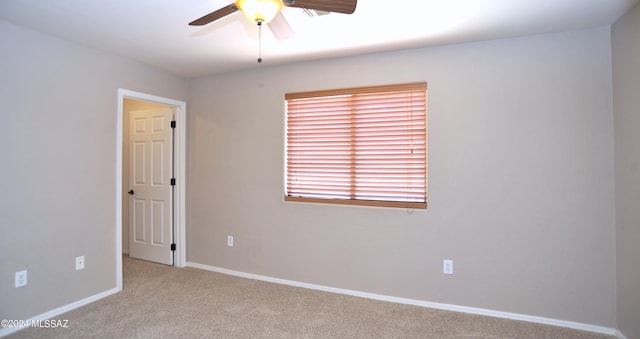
x: 339, y: 6
x: 280, y: 27
x: 213, y: 16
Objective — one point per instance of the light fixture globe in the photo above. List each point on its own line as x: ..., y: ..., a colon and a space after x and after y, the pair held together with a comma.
x: 260, y: 10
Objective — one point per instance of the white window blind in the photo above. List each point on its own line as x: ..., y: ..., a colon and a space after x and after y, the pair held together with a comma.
x: 362, y: 146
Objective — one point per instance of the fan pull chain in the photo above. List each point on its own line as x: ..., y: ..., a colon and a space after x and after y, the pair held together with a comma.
x: 259, y: 41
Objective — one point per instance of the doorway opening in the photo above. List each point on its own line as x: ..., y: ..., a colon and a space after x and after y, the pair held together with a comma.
x: 130, y: 101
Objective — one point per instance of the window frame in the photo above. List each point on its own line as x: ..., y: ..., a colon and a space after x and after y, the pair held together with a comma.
x: 408, y: 87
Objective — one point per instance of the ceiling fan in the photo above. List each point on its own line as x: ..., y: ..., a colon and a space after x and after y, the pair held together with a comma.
x: 268, y: 11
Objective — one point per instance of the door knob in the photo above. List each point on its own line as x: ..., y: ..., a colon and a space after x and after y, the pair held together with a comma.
x: 131, y: 192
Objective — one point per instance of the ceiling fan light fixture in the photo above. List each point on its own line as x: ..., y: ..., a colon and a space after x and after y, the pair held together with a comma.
x: 260, y: 10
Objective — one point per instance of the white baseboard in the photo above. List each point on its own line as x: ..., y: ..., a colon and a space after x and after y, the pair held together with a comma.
x: 61, y: 310
x: 620, y: 335
x: 440, y: 306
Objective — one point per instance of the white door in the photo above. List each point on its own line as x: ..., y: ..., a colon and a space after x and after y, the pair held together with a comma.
x: 150, y: 195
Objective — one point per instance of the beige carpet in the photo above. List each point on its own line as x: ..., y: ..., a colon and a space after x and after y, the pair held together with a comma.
x: 166, y: 302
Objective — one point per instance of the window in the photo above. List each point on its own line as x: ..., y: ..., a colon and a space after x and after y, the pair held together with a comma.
x: 358, y: 146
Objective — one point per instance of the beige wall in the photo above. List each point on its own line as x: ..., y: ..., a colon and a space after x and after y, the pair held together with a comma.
x: 626, y: 83
x: 521, y: 170
x: 58, y: 150
x: 128, y: 106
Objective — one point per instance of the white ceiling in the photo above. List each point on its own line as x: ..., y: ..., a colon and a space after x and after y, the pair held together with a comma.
x: 156, y: 32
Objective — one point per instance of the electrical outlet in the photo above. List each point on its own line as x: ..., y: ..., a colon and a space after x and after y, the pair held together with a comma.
x: 21, y: 278
x: 230, y: 241
x: 447, y: 266
x: 80, y: 263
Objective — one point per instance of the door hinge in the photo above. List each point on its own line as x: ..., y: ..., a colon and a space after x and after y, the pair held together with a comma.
x: 173, y: 247
x: 173, y: 124
x: 173, y: 181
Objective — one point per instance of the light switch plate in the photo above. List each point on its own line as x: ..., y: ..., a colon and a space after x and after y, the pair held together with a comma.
x: 80, y: 263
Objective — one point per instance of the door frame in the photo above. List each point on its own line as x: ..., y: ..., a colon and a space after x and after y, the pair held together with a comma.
x: 180, y: 259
